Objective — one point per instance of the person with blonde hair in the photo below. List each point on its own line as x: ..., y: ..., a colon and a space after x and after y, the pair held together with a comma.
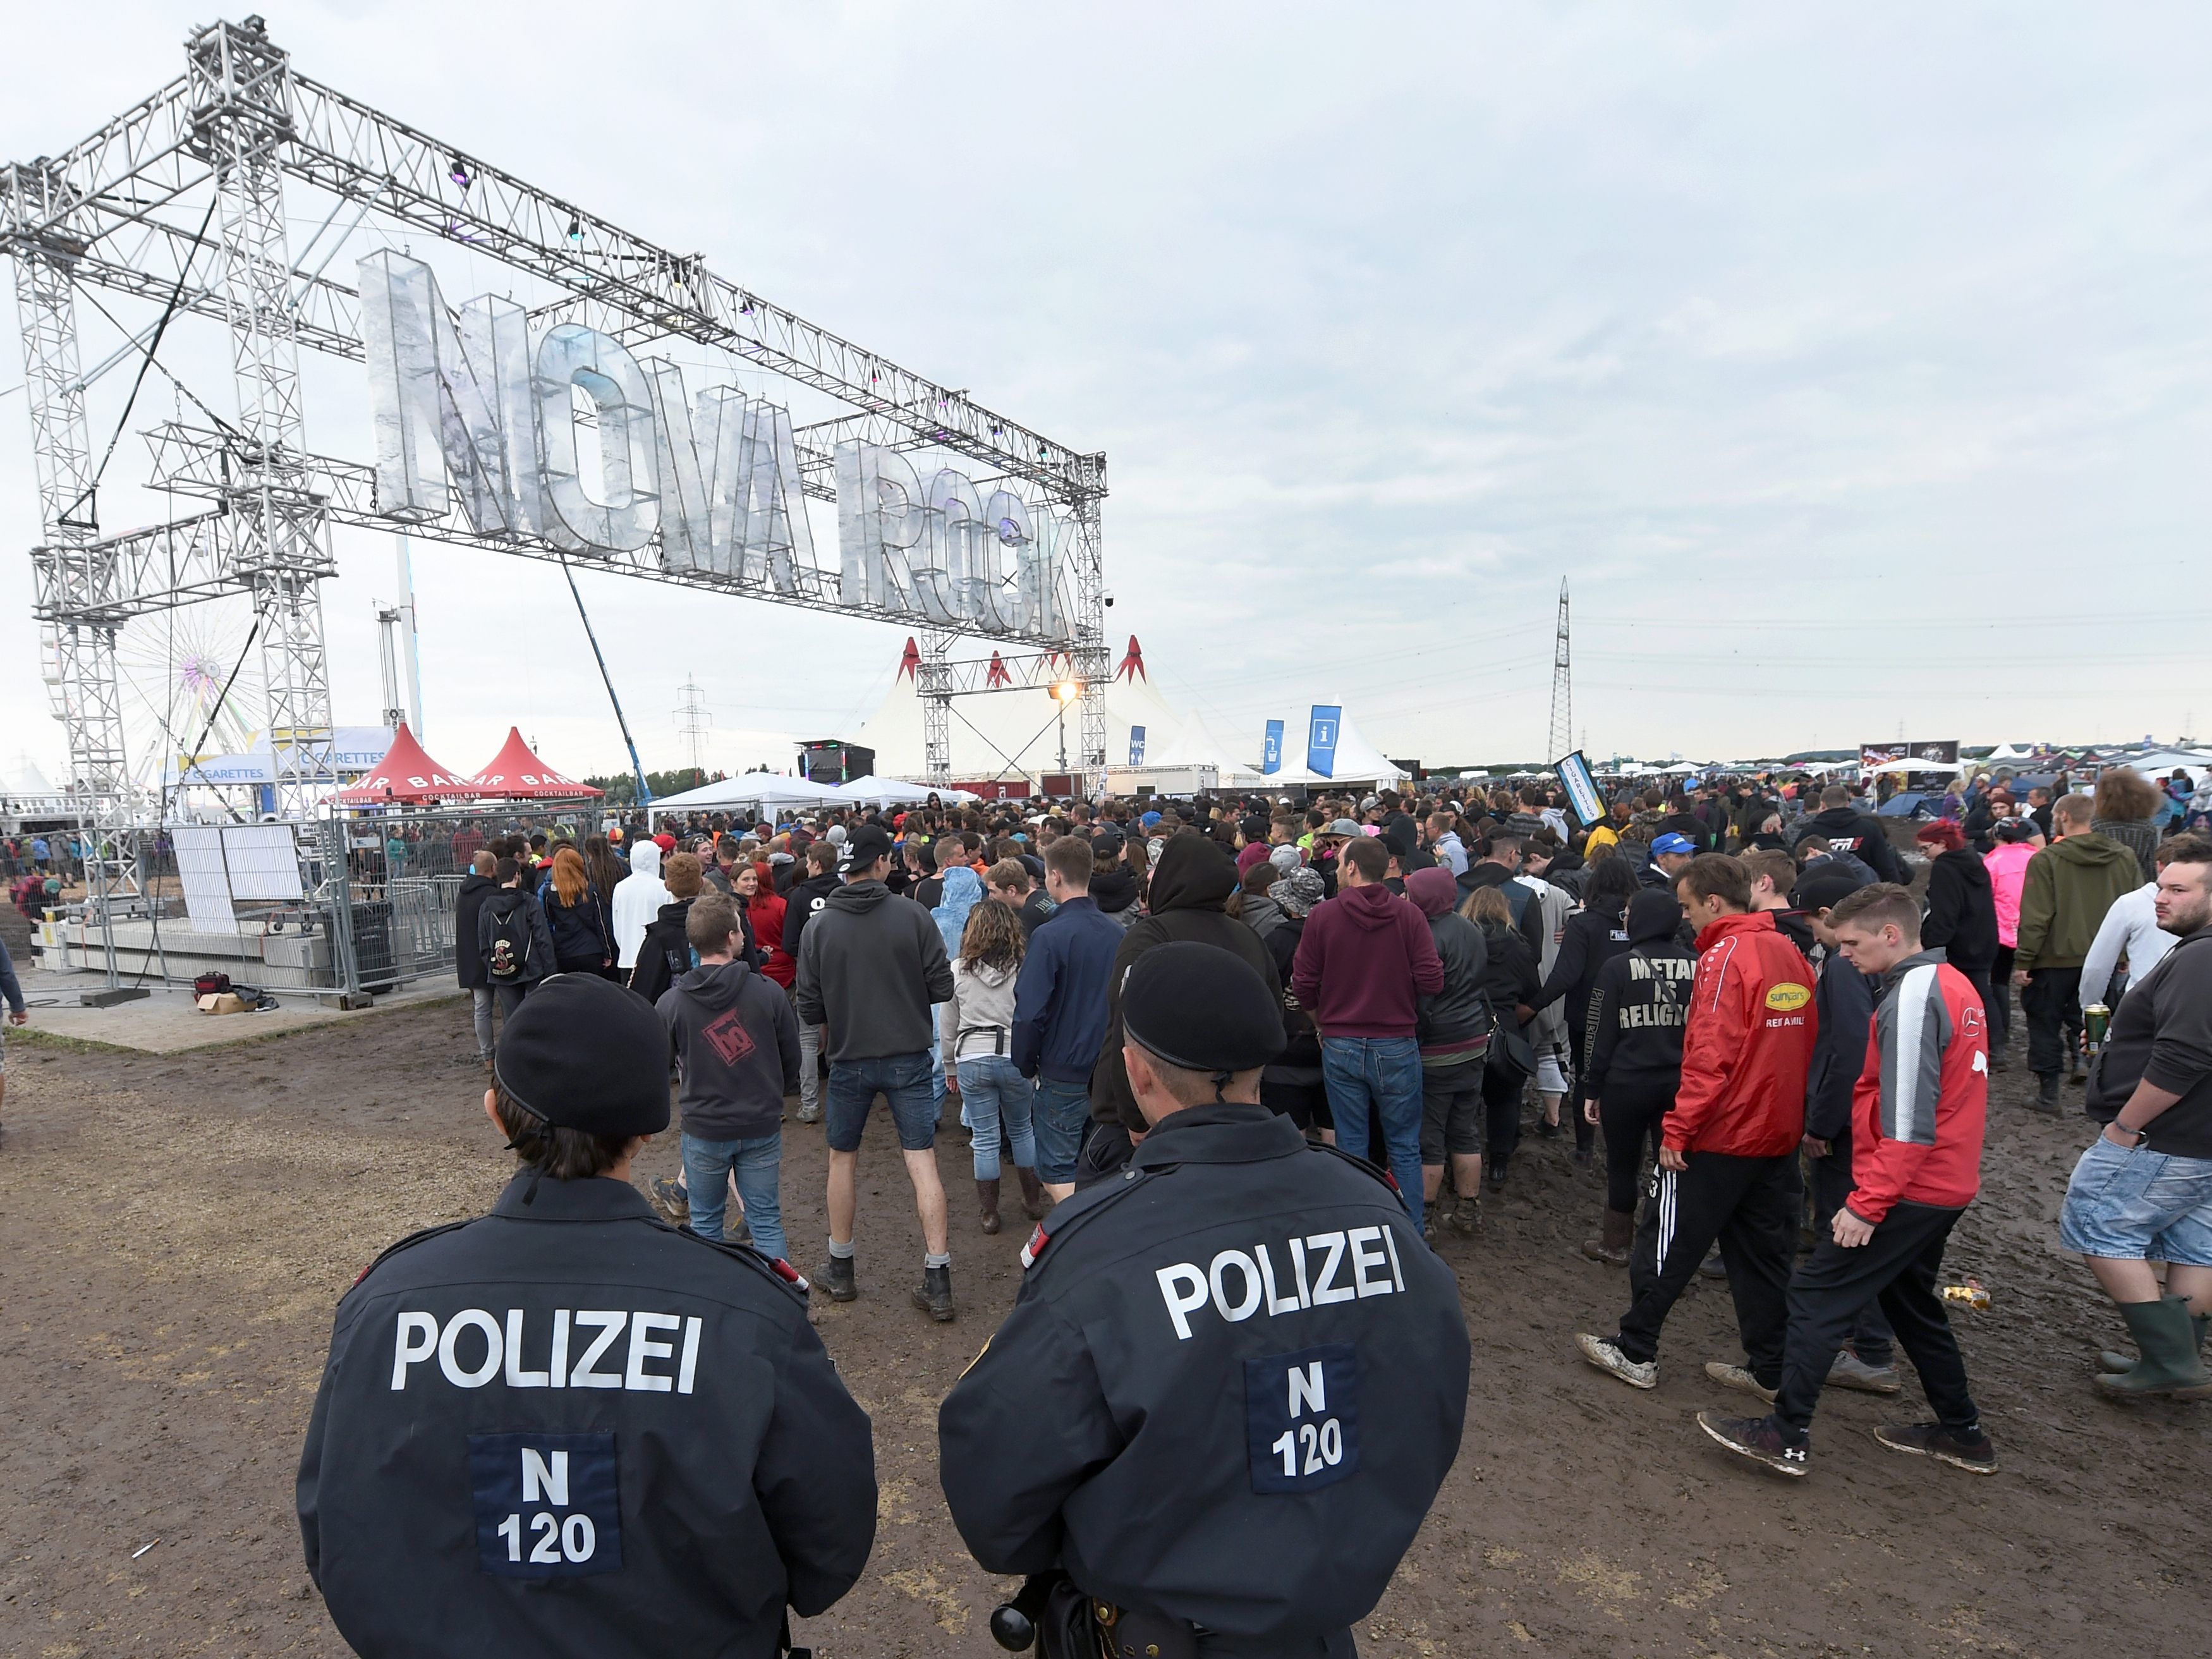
x: 978, y: 1024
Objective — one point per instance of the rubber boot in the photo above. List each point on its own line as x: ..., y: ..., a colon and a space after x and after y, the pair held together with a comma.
x: 933, y: 1296
x: 986, y: 1194
x: 2046, y: 1092
x: 2111, y: 1360
x: 1032, y: 1194
x: 835, y: 1276
x: 2170, y: 1364
x: 1610, y: 1245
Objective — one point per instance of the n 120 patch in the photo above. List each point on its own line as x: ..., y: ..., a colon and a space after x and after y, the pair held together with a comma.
x: 1302, y: 1418
x: 547, y: 1504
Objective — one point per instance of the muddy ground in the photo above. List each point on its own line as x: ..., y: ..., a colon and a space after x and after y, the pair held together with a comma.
x: 174, y: 1232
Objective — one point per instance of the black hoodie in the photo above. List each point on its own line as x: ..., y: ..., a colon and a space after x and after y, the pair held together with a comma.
x: 664, y: 955
x: 1190, y: 885
x: 735, y: 1037
x: 468, y: 961
x: 1847, y: 829
x: 1640, y: 1004
x: 871, y: 966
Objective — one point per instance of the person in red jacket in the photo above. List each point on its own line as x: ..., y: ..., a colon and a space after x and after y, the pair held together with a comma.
x: 1363, y: 964
x: 1917, y: 1119
x: 1728, y: 1158
x: 765, y: 910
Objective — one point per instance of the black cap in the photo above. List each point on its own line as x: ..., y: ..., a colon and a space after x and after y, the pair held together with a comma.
x: 582, y: 1052
x: 1202, y: 1008
x: 863, y: 848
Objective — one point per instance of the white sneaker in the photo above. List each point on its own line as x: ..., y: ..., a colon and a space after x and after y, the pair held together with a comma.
x: 1735, y: 1376
x: 1607, y: 1356
x: 1850, y: 1371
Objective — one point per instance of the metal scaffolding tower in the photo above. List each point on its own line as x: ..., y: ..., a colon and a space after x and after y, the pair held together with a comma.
x: 180, y: 202
x: 1562, y: 687
x: 693, y: 723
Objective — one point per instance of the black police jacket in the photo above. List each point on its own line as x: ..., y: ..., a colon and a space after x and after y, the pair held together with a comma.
x: 1232, y: 1381
x: 566, y: 1428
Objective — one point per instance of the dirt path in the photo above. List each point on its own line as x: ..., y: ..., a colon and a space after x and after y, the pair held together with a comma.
x: 173, y: 1233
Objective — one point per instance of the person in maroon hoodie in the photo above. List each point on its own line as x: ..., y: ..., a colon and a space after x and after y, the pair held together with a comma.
x: 1918, y: 1116
x: 1362, y: 967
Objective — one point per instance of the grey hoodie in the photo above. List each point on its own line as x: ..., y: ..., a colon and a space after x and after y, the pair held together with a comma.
x: 733, y: 1034
x: 869, y: 966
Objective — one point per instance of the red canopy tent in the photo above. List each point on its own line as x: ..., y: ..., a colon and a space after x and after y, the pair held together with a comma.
x: 516, y: 773
x: 406, y: 774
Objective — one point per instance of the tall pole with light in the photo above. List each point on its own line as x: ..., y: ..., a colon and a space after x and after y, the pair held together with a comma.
x: 1064, y: 692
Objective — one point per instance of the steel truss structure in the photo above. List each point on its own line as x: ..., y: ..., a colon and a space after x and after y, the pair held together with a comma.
x: 112, y: 213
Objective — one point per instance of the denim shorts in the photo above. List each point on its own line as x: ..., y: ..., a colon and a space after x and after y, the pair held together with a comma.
x: 903, y: 1079
x: 2132, y: 1204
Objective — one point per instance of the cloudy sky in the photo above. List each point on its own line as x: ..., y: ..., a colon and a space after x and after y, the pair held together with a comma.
x: 1850, y: 360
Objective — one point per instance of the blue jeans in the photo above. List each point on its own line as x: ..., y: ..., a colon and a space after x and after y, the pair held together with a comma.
x: 1377, y: 1080
x: 758, y: 1162
x: 2132, y: 1204
x: 996, y: 1093
x: 1059, y: 1114
x: 901, y: 1080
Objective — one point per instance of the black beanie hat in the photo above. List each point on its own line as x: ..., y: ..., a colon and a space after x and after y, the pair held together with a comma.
x: 582, y: 1052
x: 1202, y: 1008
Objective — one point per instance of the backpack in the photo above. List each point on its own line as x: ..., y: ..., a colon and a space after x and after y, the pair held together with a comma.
x: 509, y: 958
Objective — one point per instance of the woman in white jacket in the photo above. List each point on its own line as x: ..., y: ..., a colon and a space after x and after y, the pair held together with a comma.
x: 978, y: 1024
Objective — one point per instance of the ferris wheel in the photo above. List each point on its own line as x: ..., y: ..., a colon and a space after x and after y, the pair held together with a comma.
x: 173, y: 667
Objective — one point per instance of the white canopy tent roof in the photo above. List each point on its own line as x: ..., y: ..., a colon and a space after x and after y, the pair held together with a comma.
x: 762, y: 789
x: 872, y: 791
x: 1907, y: 764
x: 2165, y: 760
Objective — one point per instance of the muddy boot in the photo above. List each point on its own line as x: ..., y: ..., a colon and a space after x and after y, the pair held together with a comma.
x: 835, y: 1276
x: 2170, y: 1364
x: 2119, y: 1364
x: 1032, y: 1194
x: 986, y: 1194
x: 2046, y: 1092
x: 1610, y: 1243
x: 933, y: 1296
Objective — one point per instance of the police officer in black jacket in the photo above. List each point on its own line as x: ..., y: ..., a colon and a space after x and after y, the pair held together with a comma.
x: 1234, y: 1377
x: 566, y: 1428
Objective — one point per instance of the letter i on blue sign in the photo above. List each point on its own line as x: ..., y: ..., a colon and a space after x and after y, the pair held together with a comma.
x: 1302, y: 1418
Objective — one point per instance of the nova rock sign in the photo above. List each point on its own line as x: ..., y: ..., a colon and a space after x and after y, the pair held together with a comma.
x: 482, y: 406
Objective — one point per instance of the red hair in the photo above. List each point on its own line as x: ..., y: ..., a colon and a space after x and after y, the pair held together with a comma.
x: 1942, y: 833
x: 570, y: 884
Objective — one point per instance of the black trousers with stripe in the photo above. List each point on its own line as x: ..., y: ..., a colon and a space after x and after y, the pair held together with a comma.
x: 1751, y: 1206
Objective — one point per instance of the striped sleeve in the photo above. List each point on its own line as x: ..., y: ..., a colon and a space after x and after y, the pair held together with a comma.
x: 1915, y: 1030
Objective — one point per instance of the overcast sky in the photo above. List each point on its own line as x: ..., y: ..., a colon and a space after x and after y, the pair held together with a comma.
x: 1850, y: 360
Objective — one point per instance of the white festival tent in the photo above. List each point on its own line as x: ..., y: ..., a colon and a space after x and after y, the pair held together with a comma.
x: 1194, y: 744
x: 874, y: 790
x: 2165, y: 760
x: 1008, y: 735
x: 1907, y: 764
x: 758, y: 789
